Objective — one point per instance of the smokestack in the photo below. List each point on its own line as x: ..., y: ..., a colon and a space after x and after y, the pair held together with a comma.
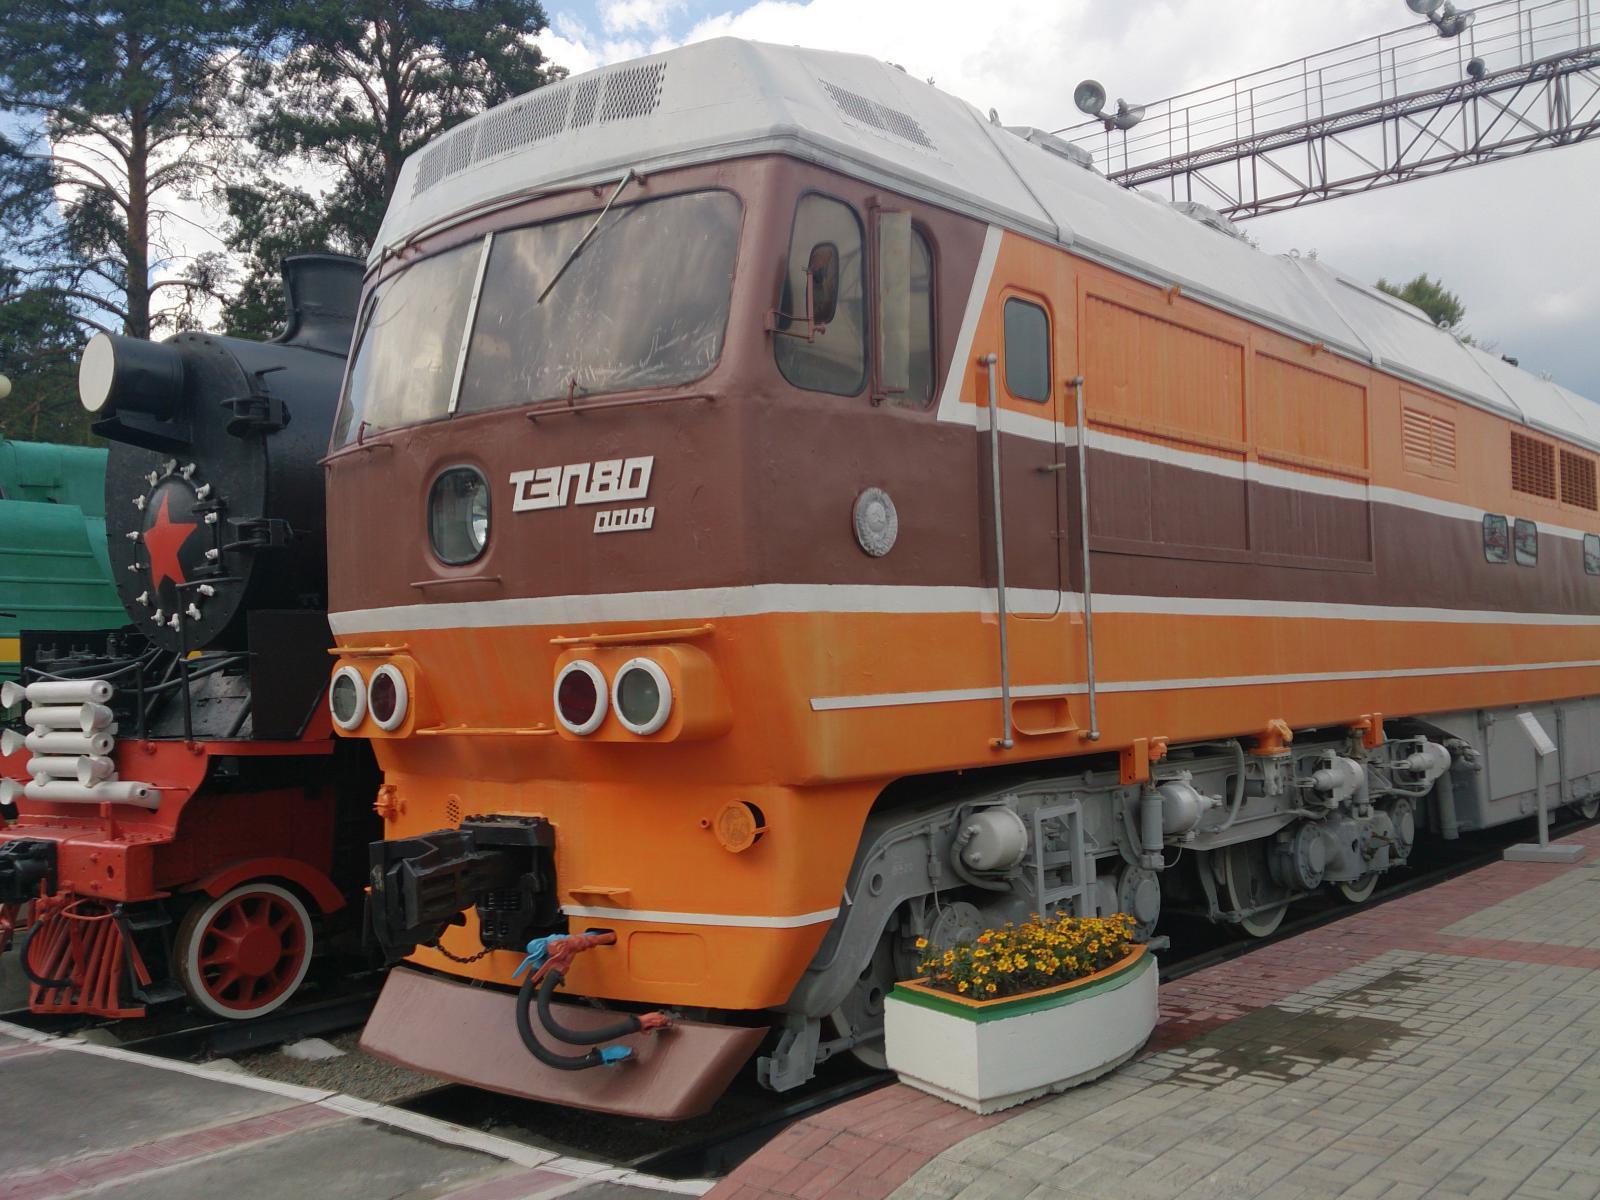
x: 322, y: 291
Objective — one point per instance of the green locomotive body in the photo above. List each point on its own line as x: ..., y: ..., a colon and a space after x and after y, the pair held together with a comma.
x: 54, y: 570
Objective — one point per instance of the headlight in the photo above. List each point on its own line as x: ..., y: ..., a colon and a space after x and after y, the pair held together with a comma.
x: 580, y: 697
x: 347, y: 698
x: 386, y: 697
x: 458, y: 515
x: 642, y: 696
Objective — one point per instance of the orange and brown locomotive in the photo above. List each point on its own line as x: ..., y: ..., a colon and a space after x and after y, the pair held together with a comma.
x: 779, y: 514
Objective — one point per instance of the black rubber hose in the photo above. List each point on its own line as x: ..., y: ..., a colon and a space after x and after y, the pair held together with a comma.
x: 580, y: 1037
x: 525, y: 1001
x: 24, y: 944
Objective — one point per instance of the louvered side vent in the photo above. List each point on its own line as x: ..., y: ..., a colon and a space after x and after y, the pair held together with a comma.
x: 632, y: 92
x: 1427, y: 440
x: 1577, y: 480
x: 1533, y: 466
x: 878, y: 116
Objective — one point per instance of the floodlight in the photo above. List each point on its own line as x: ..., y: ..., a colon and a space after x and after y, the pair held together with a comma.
x: 1424, y: 8
x: 1090, y: 97
x: 1476, y: 69
x: 1128, y: 115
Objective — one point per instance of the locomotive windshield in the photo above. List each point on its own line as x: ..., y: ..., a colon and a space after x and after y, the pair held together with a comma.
x: 644, y: 305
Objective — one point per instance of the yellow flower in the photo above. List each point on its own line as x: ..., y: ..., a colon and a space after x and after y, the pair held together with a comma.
x: 962, y: 986
x: 993, y: 988
x: 922, y: 943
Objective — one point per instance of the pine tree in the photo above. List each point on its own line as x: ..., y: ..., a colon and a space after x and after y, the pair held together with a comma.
x: 352, y: 90
x: 1443, y: 308
x: 118, y: 107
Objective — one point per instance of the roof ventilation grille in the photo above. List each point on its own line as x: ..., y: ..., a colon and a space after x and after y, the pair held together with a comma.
x: 632, y: 92
x: 584, y: 94
x: 461, y: 145
x: 430, y: 168
x: 628, y: 92
x: 878, y: 116
x: 539, y: 116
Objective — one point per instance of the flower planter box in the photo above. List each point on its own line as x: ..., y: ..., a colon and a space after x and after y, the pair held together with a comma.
x: 991, y: 1054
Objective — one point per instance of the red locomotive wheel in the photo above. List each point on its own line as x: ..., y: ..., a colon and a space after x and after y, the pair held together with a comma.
x: 243, y: 954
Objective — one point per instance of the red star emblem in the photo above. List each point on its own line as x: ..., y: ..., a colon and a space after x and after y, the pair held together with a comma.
x: 164, y: 539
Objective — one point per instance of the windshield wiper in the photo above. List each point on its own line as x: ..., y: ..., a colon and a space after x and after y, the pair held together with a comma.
x: 584, y: 240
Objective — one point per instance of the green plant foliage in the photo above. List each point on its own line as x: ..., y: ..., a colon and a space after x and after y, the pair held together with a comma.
x: 1039, y: 953
x: 1443, y: 307
x: 119, y: 107
x: 350, y: 91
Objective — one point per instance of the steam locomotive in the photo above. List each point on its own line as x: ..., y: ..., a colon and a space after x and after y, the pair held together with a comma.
x: 781, y: 515
x: 186, y: 825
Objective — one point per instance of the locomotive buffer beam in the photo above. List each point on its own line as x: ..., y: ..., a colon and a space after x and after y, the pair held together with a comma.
x: 1552, y: 102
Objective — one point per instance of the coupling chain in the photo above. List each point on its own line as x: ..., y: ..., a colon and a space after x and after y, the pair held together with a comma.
x: 457, y: 958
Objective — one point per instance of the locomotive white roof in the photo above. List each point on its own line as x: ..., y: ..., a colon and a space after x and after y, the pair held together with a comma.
x: 729, y: 98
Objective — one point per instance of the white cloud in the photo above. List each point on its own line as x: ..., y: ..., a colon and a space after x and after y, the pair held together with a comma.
x: 651, y: 16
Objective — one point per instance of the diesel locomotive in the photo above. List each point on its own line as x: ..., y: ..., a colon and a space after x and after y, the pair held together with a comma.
x: 185, y: 825
x: 781, y: 514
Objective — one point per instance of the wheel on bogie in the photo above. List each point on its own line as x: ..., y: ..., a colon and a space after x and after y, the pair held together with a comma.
x: 1252, y: 890
x: 1590, y: 808
x: 1360, y: 891
x: 863, y: 1007
x: 245, y: 953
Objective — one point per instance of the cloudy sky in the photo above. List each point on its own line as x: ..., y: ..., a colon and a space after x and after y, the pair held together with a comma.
x: 1519, y: 241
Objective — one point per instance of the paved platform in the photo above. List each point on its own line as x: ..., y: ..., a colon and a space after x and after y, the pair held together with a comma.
x: 1444, y: 1045
x: 78, y: 1120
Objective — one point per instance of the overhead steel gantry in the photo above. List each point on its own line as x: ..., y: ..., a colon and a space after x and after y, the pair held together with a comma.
x: 1524, y: 77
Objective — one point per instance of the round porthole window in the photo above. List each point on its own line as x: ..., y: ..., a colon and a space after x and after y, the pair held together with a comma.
x: 458, y: 515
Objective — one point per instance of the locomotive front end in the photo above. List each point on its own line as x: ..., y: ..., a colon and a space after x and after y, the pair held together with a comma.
x: 184, y: 821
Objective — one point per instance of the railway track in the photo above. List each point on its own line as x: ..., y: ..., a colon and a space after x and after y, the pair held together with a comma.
x: 190, y: 1037
x: 747, y: 1117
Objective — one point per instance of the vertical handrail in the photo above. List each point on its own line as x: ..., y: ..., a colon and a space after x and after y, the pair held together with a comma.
x: 1076, y: 384
x: 1004, y: 741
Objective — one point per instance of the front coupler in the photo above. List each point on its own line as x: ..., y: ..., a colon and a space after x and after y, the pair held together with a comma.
x: 27, y: 870
x: 504, y: 866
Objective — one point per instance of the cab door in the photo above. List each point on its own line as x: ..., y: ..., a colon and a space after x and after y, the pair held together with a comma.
x: 1034, y: 473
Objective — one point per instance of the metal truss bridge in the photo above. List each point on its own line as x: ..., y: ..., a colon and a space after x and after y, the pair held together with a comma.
x: 1405, y: 105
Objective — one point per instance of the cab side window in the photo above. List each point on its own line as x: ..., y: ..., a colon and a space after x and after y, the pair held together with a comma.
x: 1027, y: 350
x: 826, y: 262
x: 920, y: 392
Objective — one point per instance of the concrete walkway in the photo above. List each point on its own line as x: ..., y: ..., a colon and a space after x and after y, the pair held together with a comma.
x: 1443, y: 1045
x: 80, y: 1120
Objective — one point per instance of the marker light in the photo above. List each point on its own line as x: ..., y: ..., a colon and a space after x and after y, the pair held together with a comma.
x: 347, y: 698
x: 386, y: 697
x: 580, y: 697
x: 458, y: 515
x: 642, y: 696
